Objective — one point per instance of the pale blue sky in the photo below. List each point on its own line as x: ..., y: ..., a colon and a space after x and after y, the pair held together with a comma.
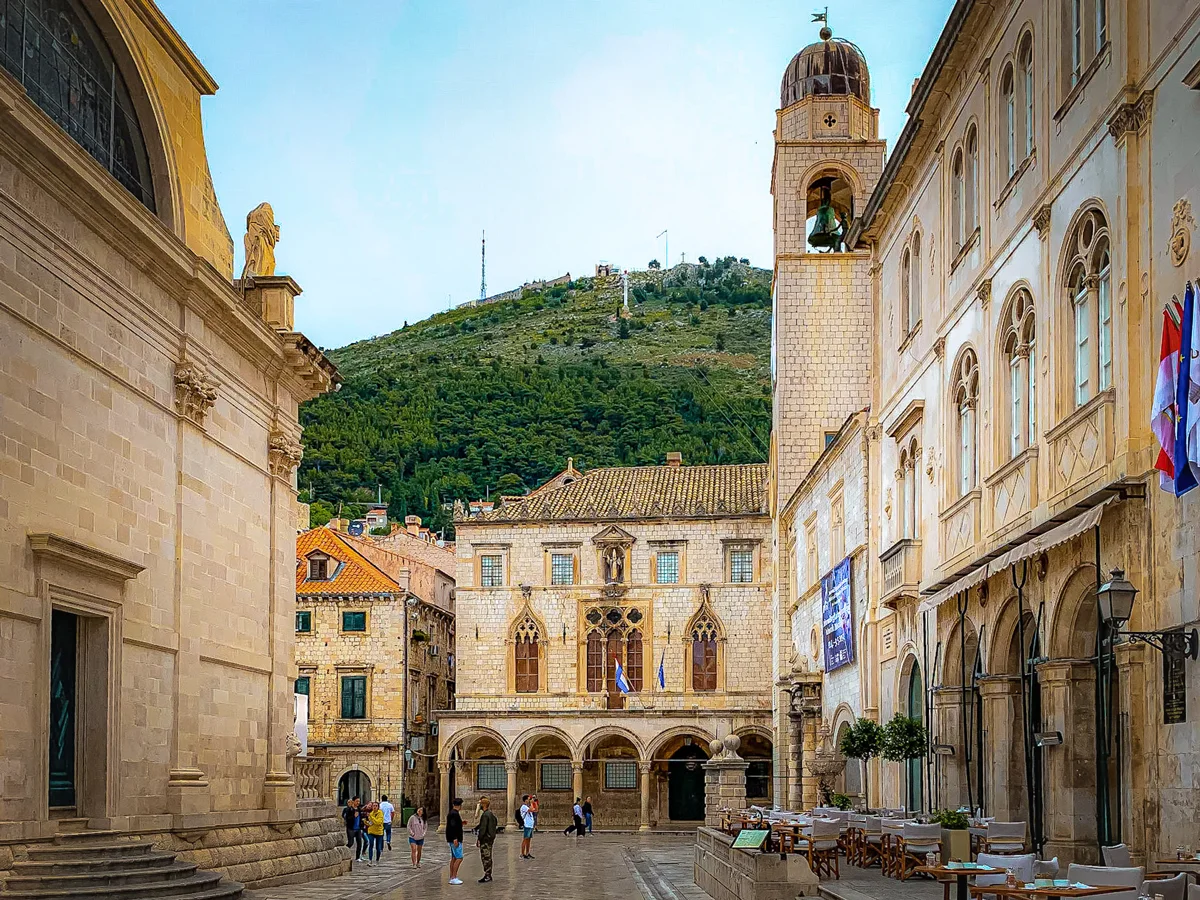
x: 387, y: 134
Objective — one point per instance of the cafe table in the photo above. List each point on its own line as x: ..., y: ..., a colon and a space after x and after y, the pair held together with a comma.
x: 959, y: 874
x: 1028, y: 893
x: 1173, y: 865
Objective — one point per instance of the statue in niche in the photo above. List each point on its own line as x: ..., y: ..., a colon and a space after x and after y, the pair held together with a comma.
x: 614, y: 565
x: 261, y: 236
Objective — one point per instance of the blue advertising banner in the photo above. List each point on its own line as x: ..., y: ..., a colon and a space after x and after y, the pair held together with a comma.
x: 837, y: 617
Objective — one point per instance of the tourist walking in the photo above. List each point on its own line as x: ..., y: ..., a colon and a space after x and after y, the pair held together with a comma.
x: 577, y: 826
x: 374, y: 834
x: 351, y: 816
x: 527, y: 823
x: 416, y: 835
x: 587, y: 813
x: 486, y: 836
x: 454, y: 837
x: 389, y: 810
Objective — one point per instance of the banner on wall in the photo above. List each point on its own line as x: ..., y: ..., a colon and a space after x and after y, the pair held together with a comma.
x: 837, y: 617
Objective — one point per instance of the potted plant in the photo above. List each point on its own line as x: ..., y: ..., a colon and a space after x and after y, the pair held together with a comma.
x: 903, y: 739
x: 956, y: 837
x: 842, y: 802
x: 862, y: 741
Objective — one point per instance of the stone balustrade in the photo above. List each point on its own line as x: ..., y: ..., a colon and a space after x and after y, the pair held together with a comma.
x: 312, y: 777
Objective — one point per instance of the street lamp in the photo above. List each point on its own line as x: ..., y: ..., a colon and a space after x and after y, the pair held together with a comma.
x: 1116, y: 606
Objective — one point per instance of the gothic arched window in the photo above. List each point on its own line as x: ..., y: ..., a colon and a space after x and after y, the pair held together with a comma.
x: 906, y: 319
x: 1025, y: 63
x: 966, y: 401
x: 1019, y: 356
x: 1089, y: 292
x: 595, y: 661
x: 957, y: 195
x: 1008, y: 119
x: 914, y: 288
x: 704, y: 654
x: 971, y: 203
x: 54, y: 49
x: 526, y: 644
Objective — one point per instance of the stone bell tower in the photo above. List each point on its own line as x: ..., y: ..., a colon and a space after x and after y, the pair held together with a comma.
x: 828, y: 158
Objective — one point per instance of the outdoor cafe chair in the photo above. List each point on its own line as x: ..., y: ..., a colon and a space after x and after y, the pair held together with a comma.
x: 1170, y: 888
x: 1110, y: 876
x: 820, y: 841
x: 1117, y: 855
x: 870, y: 847
x: 915, y: 842
x: 1194, y: 892
x: 1004, y: 837
x: 1021, y: 865
x: 890, y: 831
x: 1046, y: 868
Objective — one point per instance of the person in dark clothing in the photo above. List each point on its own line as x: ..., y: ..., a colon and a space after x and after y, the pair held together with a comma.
x: 352, y: 816
x: 577, y: 826
x: 587, y: 813
x: 454, y: 837
x: 486, y: 830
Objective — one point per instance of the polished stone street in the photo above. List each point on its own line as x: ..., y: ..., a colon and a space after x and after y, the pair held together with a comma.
x: 624, y: 866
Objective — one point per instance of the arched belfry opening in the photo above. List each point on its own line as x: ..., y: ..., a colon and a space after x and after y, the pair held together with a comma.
x: 829, y: 210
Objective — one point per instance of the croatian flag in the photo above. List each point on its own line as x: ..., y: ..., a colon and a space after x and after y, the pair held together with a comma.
x: 662, y: 675
x: 1164, y: 415
x: 1189, y: 343
x: 623, y: 684
x: 1192, y: 415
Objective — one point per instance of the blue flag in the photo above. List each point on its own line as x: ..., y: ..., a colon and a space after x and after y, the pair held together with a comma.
x: 662, y: 675
x: 623, y: 684
x: 1185, y: 478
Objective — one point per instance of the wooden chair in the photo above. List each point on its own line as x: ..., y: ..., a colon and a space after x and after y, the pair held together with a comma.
x: 891, y: 831
x: 916, y: 841
x: 820, y: 841
x: 1004, y: 837
x: 870, y: 847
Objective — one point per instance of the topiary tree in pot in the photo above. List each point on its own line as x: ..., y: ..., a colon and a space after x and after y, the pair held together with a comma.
x: 863, y: 740
x: 903, y: 738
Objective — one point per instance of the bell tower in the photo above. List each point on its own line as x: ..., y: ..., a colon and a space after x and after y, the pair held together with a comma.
x: 828, y: 158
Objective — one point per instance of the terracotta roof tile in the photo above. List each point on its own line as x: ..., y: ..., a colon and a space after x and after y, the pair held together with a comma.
x: 356, y: 574
x: 641, y: 492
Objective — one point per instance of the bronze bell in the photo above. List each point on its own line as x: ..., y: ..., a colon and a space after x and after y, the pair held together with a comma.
x: 826, y: 233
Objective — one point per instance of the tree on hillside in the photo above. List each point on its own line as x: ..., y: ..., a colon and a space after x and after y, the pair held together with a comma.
x: 623, y: 330
x: 654, y: 264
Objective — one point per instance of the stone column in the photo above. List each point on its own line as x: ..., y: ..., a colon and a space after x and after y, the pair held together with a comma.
x: 445, y: 767
x: 811, y: 742
x: 724, y: 780
x: 1136, y: 667
x: 1068, y: 706
x: 510, y: 769
x: 795, y: 762
x: 577, y: 779
x: 1004, y: 747
x: 644, y: 768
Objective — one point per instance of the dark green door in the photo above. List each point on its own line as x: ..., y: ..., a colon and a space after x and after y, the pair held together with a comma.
x: 685, y: 784
x: 63, y: 629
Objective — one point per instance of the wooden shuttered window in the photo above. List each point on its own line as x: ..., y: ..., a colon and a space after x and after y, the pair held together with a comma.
x: 527, y: 666
x: 354, y: 697
x: 704, y: 664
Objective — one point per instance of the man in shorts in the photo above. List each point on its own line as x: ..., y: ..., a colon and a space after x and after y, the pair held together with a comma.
x: 527, y: 823
x: 454, y: 837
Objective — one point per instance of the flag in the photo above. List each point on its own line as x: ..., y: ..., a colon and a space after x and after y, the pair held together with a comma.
x: 623, y: 684
x: 1193, y: 394
x: 1162, y: 419
x: 1185, y: 478
x: 662, y: 673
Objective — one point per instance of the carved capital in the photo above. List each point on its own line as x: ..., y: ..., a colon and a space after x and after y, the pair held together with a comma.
x: 985, y: 293
x: 1092, y: 282
x: 1131, y: 117
x: 939, y: 347
x: 874, y: 432
x: 195, y: 392
x: 511, y: 766
x: 444, y: 766
x: 1041, y: 220
x: 644, y: 767
x: 576, y: 765
x: 283, y: 454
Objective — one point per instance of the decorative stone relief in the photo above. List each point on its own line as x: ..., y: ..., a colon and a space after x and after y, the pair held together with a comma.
x: 985, y: 293
x: 1180, y: 243
x: 195, y: 392
x: 283, y: 454
x: 939, y: 347
x: 887, y: 504
x: 931, y: 465
x: 1131, y: 117
x: 1041, y: 220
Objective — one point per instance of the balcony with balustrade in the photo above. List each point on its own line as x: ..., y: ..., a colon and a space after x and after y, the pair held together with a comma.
x: 901, y: 571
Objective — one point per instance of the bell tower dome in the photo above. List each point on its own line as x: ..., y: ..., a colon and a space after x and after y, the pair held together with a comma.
x: 828, y: 159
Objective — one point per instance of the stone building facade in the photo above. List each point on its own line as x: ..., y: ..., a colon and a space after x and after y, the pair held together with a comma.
x: 1019, y: 246
x: 650, y: 566
x: 364, y: 708
x: 147, y: 471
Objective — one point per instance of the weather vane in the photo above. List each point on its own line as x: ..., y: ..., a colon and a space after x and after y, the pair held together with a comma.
x: 823, y: 17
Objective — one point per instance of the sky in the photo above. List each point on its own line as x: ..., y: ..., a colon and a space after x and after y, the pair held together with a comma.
x: 388, y: 135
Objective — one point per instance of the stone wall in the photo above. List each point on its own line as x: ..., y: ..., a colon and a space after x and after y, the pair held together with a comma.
x: 727, y: 874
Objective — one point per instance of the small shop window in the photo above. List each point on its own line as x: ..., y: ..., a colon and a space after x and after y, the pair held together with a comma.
x: 620, y: 775
x: 556, y: 775
x: 303, y: 621
x: 490, y: 776
x: 354, y: 621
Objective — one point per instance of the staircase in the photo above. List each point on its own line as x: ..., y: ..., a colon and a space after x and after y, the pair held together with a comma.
x: 92, y: 864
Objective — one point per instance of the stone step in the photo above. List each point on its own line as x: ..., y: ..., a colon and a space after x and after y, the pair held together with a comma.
x: 199, y: 884
x: 174, y: 871
x: 93, y: 863
x: 75, y: 838
x: 86, y: 850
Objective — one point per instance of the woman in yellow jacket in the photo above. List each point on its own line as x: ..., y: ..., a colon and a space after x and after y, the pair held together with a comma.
x: 374, y: 834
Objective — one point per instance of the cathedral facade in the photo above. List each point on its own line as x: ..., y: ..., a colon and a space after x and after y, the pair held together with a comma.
x: 967, y: 337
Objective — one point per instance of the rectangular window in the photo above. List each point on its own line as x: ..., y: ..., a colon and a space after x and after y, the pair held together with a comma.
x: 318, y: 569
x: 758, y: 778
x: 741, y: 566
x: 1104, y: 295
x: 1016, y: 414
x: 490, y: 776
x: 527, y: 667
x: 1076, y: 41
x: 1101, y: 24
x: 556, y: 775
x: 1031, y: 397
x: 1083, y: 388
x: 354, y: 696
x: 667, y: 567
x: 831, y: 436
x: 354, y: 621
x: 620, y: 775
x: 562, y: 568
x: 491, y: 571
x: 303, y: 621
x: 302, y: 685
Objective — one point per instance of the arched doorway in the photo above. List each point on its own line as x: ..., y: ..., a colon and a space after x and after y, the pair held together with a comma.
x: 685, y: 783
x: 850, y: 781
x: 914, y: 695
x: 354, y: 783
x: 959, y: 720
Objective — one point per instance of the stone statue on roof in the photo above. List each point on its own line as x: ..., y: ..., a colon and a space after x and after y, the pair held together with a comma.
x: 261, y: 236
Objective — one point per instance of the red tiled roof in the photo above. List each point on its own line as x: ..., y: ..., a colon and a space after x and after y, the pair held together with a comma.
x: 355, y: 573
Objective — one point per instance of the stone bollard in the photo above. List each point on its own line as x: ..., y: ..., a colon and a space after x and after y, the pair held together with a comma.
x: 724, y: 779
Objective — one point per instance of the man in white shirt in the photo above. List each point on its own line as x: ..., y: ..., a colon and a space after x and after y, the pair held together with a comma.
x: 577, y: 827
x: 527, y: 823
x: 388, y: 811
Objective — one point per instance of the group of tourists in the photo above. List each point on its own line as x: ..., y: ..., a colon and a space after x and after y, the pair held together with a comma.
x: 370, y: 825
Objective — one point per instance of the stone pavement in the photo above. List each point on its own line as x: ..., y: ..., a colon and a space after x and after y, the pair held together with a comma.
x: 869, y: 884
x: 617, y: 866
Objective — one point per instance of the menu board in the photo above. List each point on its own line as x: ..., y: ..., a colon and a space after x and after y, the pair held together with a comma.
x: 750, y: 839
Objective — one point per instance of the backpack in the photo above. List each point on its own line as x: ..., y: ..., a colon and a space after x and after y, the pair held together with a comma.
x: 518, y: 818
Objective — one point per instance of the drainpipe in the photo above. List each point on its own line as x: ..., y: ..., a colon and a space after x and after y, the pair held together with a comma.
x: 404, y: 579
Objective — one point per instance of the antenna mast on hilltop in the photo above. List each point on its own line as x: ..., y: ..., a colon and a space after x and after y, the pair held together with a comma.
x: 483, y: 268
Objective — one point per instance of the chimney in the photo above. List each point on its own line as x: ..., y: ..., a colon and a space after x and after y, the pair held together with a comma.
x: 674, y: 459
x: 339, y: 524
x: 412, y: 524
x: 404, y: 579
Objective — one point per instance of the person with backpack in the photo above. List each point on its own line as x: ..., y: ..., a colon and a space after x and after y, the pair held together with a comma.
x: 527, y: 823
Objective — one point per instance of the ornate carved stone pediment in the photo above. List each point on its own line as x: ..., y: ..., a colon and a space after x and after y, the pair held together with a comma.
x: 613, y: 535
x: 195, y: 392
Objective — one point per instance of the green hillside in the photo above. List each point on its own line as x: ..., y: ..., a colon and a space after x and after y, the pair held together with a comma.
x: 494, y: 398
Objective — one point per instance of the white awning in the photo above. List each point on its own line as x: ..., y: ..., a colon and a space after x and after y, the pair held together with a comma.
x: 968, y: 581
x: 1060, y: 534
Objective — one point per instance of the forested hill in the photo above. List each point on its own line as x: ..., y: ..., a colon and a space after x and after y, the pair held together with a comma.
x: 495, y: 398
